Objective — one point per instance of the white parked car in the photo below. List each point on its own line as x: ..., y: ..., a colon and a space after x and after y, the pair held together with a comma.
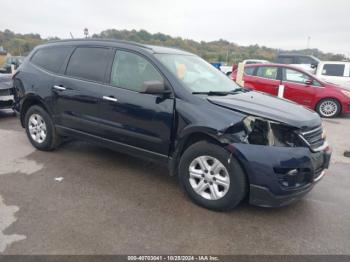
x: 227, y: 70
x: 255, y: 61
x: 335, y: 72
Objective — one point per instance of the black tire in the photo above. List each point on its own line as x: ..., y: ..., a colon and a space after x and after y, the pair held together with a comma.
x: 228, y: 73
x: 52, y: 140
x: 237, y: 189
x: 332, y: 101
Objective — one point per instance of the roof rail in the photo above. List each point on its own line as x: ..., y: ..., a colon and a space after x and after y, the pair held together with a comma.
x: 101, y: 40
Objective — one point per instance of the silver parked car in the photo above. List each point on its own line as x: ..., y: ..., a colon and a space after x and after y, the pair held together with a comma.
x: 6, y: 91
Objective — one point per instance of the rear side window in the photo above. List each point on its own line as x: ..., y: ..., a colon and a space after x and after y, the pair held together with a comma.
x: 51, y: 58
x: 333, y: 70
x: 267, y: 72
x: 306, y: 60
x: 130, y: 71
x: 90, y: 63
x: 285, y: 60
x: 249, y: 70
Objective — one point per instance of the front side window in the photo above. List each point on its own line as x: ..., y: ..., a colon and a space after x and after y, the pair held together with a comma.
x: 130, y: 71
x: 196, y: 74
x: 268, y: 72
x: 333, y: 70
x: 90, y: 63
x: 51, y: 58
x: 291, y: 75
x: 295, y: 76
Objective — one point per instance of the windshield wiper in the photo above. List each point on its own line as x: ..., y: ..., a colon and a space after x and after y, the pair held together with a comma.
x: 220, y: 93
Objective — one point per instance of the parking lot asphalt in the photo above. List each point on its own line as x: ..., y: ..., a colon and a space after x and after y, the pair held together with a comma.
x: 84, y: 199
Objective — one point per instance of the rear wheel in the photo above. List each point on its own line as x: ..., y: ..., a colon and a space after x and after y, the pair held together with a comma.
x: 328, y: 108
x: 40, y: 129
x: 211, y: 177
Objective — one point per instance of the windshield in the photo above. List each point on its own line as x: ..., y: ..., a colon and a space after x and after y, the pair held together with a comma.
x: 196, y: 74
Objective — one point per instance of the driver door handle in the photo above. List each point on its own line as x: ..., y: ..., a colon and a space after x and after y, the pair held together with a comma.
x: 110, y: 98
x: 59, y: 88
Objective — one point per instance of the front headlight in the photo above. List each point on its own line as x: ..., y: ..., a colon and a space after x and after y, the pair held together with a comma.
x: 260, y: 131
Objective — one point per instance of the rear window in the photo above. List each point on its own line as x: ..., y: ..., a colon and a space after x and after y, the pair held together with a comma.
x: 249, y: 70
x: 90, y: 63
x: 333, y: 70
x: 51, y: 58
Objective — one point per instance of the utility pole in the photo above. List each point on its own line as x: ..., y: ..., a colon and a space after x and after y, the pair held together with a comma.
x: 228, y: 50
x: 86, y: 32
x: 308, y: 42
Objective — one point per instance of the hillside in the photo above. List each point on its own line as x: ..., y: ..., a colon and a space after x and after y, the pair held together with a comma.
x: 220, y: 50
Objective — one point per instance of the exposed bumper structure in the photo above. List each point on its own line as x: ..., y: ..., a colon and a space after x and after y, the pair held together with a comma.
x: 6, y: 101
x: 279, y: 176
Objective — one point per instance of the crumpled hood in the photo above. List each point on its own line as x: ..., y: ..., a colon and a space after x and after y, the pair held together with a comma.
x: 259, y: 104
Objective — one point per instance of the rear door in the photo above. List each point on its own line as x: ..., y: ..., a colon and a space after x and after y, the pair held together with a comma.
x: 266, y: 80
x: 77, y: 92
x: 143, y: 121
x: 299, y: 87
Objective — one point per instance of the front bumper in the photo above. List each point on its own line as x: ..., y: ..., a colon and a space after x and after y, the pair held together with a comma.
x: 279, y: 176
x: 261, y: 196
x: 346, y: 108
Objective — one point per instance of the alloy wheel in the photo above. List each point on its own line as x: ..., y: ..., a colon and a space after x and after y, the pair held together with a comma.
x: 37, y: 128
x: 328, y: 108
x: 209, y: 178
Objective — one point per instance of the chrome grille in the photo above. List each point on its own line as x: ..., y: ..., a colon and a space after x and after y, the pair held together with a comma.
x: 314, y: 138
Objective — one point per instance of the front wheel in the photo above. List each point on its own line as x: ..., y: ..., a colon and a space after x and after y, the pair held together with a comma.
x: 211, y: 177
x: 328, y: 108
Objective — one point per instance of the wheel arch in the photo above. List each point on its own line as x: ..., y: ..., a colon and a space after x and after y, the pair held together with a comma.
x: 29, y: 101
x: 188, y: 138
x: 320, y: 99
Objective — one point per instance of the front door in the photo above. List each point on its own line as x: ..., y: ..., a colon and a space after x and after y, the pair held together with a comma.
x: 143, y: 121
x: 299, y: 87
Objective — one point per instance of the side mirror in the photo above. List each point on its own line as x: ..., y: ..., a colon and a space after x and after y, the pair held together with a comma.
x: 313, y: 66
x: 155, y: 88
x: 308, y: 82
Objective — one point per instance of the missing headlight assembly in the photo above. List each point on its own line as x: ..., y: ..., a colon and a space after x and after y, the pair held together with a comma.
x: 260, y: 131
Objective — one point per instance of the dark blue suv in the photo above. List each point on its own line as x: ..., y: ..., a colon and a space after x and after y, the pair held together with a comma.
x: 225, y: 143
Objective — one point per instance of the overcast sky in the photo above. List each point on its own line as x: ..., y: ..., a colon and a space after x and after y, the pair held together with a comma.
x: 282, y: 24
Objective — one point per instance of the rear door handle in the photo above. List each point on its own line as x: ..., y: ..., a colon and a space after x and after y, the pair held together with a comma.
x: 110, y: 98
x: 59, y: 88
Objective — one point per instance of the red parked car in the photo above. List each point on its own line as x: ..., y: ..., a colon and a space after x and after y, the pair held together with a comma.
x: 327, y: 99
